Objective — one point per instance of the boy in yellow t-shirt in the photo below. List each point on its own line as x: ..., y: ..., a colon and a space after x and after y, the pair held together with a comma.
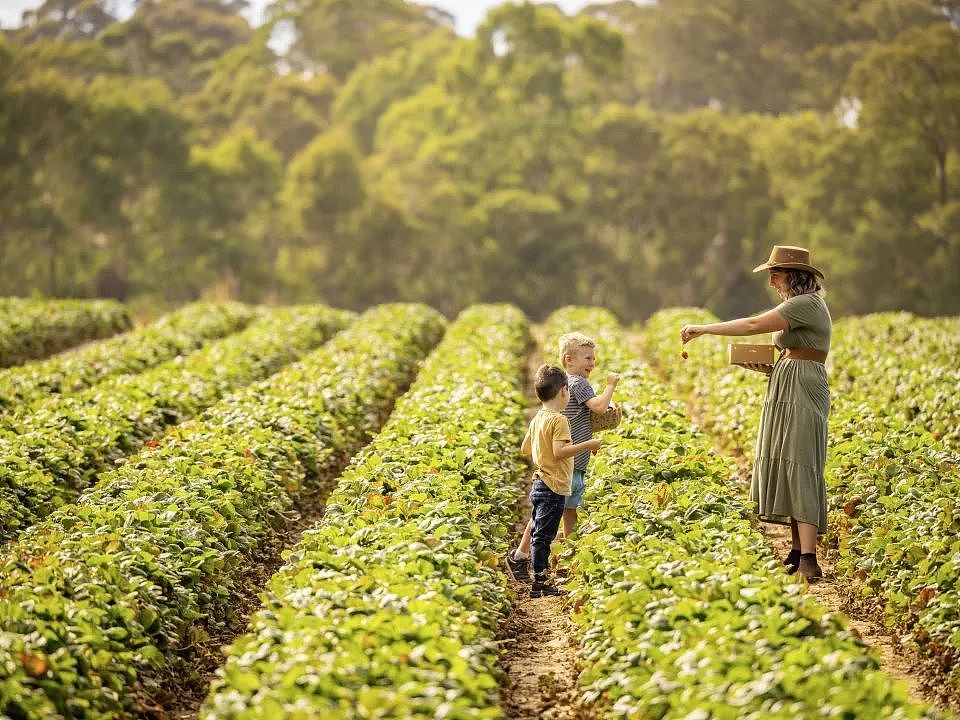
x: 548, y: 441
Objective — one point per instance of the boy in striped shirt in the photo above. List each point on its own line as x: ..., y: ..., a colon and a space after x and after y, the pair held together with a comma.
x: 578, y: 358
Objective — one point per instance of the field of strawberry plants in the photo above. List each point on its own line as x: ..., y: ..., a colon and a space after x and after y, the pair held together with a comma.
x: 107, y: 598
x: 892, y: 483
x: 389, y: 607
x: 32, y: 329
x: 906, y: 364
x: 683, y: 612
x: 142, y: 478
x: 54, y: 449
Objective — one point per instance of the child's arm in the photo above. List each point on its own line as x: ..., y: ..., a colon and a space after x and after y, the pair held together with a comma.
x: 562, y: 449
x: 526, y: 447
x: 600, y: 403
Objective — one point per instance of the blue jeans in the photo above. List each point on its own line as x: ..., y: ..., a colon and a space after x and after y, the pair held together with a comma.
x: 546, y: 515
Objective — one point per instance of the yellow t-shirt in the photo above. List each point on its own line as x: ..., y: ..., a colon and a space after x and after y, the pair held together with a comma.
x: 547, y: 426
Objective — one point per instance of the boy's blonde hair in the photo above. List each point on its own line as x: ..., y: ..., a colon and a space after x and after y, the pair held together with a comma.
x: 572, y: 342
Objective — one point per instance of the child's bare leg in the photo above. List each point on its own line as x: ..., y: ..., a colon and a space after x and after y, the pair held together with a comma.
x: 524, y: 548
x: 569, y: 521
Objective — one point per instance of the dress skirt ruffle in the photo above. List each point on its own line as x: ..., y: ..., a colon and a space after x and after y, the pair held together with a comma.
x: 791, y: 451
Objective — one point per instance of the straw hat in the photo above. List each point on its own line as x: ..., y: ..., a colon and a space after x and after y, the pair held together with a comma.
x: 788, y: 256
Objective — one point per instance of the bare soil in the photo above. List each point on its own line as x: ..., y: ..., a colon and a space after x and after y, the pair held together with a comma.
x: 540, y: 662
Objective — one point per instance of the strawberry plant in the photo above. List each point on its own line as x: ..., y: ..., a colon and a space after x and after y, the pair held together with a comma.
x: 105, y: 598
x: 907, y: 365
x: 56, y: 450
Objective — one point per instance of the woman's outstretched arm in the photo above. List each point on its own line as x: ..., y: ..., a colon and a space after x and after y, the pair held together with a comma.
x: 770, y: 321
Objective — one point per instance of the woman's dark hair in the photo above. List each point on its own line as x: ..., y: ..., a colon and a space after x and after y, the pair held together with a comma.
x: 800, y: 282
x: 548, y: 381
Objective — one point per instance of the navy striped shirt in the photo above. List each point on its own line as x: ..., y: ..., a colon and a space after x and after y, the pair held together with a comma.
x: 577, y: 412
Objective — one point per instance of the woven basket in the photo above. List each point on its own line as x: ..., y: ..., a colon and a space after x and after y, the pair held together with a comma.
x: 607, y: 420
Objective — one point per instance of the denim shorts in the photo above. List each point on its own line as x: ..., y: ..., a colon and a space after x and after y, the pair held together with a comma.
x: 578, y: 485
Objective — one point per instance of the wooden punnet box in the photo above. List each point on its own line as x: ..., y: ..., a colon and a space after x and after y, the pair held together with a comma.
x: 742, y: 353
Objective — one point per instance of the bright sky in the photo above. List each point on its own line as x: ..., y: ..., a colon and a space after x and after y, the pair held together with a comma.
x: 469, y: 13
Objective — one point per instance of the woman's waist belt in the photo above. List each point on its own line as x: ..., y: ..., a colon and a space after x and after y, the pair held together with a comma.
x: 805, y: 353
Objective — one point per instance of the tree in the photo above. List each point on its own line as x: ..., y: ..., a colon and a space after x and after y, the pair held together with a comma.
x: 86, y: 159
x: 527, y: 243
x: 233, y: 201
x: 738, y: 54
x: 338, y: 35
x: 711, y: 210
x: 245, y: 90
x: 623, y: 169
x: 323, y: 189
x: 178, y: 40
x: 912, y: 86
x: 130, y: 145
x: 854, y: 197
x: 65, y: 20
x: 376, y: 84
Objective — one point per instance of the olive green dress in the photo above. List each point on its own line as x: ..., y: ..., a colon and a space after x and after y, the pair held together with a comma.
x: 791, y: 450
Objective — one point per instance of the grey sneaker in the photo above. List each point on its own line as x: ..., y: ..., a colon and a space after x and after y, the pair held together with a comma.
x: 517, y: 568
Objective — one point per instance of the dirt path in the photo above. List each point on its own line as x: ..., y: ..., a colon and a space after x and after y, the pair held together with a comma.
x: 895, y: 660
x: 540, y: 656
x: 540, y: 662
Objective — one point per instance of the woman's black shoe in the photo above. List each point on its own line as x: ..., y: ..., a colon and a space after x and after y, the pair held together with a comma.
x: 792, y: 561
x: 809, y: 567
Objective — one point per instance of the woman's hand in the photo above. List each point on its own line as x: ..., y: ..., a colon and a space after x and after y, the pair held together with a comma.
x: 689, y: 332
x: 759, y: 367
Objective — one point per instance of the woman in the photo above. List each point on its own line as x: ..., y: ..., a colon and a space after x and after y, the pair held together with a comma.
x: 788, y: 483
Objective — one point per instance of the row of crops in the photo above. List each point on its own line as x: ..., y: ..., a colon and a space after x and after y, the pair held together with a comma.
x: 108, y: 598
x: 178, y: 333
x: 906, y: 364
x: 36, y: 328
x: 683, y: 612
x: 56, y: 448
x: 893, y: 468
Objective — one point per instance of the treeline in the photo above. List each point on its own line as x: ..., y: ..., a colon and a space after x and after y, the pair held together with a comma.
x: 634, y: 156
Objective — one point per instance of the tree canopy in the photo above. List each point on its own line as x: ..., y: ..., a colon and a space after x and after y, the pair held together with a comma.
x: 635, y: 155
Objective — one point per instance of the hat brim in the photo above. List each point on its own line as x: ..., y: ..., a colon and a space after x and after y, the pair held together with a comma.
x: 791, y: 266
